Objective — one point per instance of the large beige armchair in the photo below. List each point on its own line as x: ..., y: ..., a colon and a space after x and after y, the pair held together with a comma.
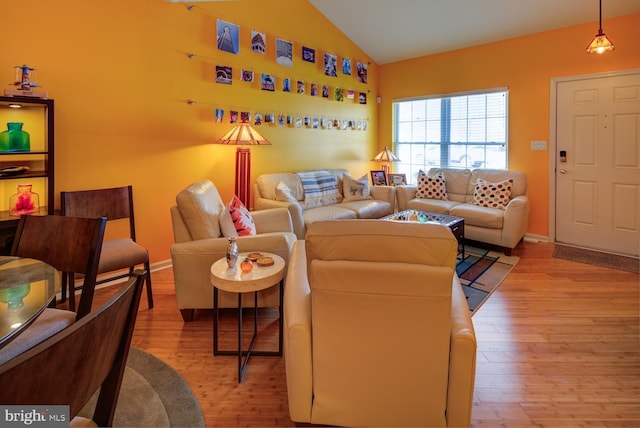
x: 199, y: 243
x: 377, y: 328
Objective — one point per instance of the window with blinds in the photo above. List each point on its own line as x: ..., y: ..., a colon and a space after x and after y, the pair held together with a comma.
x: 458, y: 131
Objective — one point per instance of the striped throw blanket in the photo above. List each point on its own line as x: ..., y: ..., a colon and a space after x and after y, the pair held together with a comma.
x: 320, y: 188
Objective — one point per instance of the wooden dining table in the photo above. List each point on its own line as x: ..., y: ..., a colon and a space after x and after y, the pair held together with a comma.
x: 27, y: 287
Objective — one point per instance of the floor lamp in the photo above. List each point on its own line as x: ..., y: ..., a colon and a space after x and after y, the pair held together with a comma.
x: 385, y: 156
x: 243, y: 135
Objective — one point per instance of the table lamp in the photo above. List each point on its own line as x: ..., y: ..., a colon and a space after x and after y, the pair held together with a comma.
x: 386, y: 155
x: 243, y: 135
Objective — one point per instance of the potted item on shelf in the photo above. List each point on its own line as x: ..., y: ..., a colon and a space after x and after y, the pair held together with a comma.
x: 24, y: 202
x: 14, y: 139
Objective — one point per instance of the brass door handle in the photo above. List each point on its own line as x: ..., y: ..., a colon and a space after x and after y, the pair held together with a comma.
x: 563, y: 171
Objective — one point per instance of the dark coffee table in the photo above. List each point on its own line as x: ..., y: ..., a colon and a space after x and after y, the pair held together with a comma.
x: 456, y: 224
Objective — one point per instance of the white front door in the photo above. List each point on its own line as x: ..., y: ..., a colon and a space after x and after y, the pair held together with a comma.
x: 598, y: 179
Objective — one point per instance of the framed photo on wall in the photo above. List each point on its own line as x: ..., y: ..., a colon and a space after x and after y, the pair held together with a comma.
x: 397, y: 179
x: 378, y: 178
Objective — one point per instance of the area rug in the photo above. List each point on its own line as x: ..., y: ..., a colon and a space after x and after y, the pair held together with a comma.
x: 153, y: 394
x: 597, y: 258
x: 481, y: 272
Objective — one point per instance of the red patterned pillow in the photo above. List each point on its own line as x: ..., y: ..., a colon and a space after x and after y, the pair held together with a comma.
x: 492, y: 195
x: 431, y: 187
x: 236, y: 220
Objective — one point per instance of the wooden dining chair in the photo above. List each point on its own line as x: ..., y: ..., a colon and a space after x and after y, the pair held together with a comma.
x: 69, y: 244
x: 117, y: 254
x: 69, y: 367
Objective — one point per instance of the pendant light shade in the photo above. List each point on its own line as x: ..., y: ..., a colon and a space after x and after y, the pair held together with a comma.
x: 600, y: 43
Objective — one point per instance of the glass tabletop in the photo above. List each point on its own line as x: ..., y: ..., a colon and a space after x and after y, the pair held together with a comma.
x: 27, y: 287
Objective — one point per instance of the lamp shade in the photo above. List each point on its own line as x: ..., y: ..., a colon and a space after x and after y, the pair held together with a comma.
x: 386, y: 155
x: 243, y: 135
x: 600, y: 44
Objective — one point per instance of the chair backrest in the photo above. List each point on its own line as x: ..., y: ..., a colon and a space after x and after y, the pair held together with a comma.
x: 381, y: 316
x: 113, y: 203
x: 68, y: 368
x: 200, y: 206
x: 69, y: 244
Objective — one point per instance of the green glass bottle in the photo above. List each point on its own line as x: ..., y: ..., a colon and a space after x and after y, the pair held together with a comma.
x: 14, y: 139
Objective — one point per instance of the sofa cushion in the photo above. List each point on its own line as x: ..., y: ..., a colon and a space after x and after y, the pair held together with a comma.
x: 284, y: 193
x: 519, y: 187
x: 267, y: 184
x: 474, y: 215
x: 370, y: 208
x: 492, y: 195
x: 330, y: 212
x: 236, y: 220
x: 457, y: 182
x: 200, y: 206
x: 431, y: 187
x: 432, y: 205
x: 356, y: 190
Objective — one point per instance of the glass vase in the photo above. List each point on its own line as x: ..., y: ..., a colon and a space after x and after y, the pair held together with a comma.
x: 23, y: 202
x: 232, y: 253
x: 14, y: 139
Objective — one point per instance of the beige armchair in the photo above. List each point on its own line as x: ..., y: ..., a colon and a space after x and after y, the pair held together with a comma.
x: 377, y: 328
x: 199, y: 243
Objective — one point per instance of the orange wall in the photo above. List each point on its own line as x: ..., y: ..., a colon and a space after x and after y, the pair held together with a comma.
x: 120, y: 76
x: 526, y: 66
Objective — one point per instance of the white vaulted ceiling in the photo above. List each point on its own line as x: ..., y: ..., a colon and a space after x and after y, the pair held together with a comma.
x: 393, y: 30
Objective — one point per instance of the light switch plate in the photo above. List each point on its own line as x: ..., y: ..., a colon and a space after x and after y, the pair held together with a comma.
x: 538, y: 145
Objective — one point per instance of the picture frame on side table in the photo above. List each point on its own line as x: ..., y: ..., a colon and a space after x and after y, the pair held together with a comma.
x: 397, y: 179
x: 378, y: 178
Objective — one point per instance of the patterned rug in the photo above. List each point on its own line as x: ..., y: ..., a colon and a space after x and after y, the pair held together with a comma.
x: 481, y: 272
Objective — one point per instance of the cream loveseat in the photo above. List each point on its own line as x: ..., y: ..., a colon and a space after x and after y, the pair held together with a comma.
x: 199, y: 243
x: 497, y: 226
x: 377, y: 329
x: 353, y: 200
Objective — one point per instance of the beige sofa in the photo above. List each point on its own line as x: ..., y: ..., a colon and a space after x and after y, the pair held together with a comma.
x: 380, y: 203
x: 501, y: 227
x: 199, y: 243
x: 377, y: 327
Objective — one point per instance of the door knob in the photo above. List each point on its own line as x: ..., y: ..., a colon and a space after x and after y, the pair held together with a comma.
x: 563, y: 171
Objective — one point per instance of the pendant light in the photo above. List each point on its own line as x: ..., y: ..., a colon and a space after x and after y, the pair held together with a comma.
x: 600, y: 43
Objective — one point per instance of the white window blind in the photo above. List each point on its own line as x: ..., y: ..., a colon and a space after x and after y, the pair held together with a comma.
x: 458, y: 131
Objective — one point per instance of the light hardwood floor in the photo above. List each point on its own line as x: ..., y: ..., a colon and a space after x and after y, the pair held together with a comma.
x: 558, y: 346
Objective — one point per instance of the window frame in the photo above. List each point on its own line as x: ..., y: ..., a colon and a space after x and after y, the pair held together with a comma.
x: 411, y: 168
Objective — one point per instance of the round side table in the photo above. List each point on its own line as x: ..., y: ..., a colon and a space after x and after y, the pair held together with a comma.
x: 233, y: 280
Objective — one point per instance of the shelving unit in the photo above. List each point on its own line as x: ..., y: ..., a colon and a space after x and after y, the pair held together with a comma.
x: 37, y: 115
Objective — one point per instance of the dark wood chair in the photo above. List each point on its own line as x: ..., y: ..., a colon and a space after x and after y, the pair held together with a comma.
x: 69, y: 244
x: 117, y: 254
x: 68, y: 368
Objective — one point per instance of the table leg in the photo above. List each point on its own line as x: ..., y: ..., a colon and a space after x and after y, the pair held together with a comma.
x: 242, y: 363
x: 215, y: 321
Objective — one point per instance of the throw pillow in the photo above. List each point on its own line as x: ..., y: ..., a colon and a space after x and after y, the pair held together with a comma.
x: 492, y: 195
x: 431, y: 187
x: 236, y: 220
x: 284, y: 193
x: 356, y: 190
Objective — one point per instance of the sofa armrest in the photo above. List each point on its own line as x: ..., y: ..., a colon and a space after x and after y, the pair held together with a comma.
x: 272, y: 220
x: 295, y: 211
x: 384, y: 193
x: 404, y: 194
x: 297, y: 336
x: 516, y: 221
x: 462, y: 360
